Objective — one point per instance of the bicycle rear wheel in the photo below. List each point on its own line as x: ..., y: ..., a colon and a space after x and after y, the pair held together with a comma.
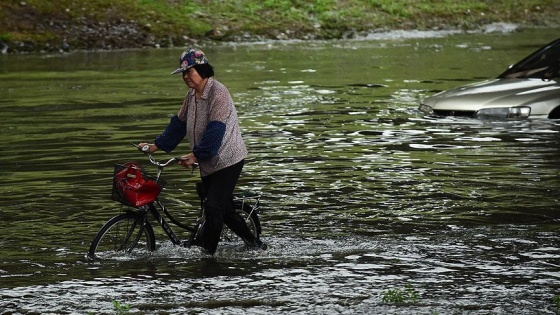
x: 250, y: 217
x: 122, y: 234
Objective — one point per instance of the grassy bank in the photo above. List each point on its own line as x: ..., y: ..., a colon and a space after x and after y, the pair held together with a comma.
x: 39, y: 25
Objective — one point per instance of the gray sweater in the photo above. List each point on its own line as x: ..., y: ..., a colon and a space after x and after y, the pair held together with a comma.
x: 212, y: 128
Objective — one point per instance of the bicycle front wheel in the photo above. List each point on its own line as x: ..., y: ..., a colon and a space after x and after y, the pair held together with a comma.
x: 123, y: 233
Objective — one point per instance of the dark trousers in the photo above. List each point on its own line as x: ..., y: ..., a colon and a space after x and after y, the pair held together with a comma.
x: 219, y: 188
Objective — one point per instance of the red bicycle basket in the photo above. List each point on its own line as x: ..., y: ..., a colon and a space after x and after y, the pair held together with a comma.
x: 133, y: 187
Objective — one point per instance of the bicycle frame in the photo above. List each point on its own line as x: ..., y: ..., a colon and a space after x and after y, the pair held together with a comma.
x: 157, y: 207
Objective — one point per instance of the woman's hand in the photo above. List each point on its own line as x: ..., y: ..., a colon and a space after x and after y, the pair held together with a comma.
x: 151, y: 147
x: 188, y: 161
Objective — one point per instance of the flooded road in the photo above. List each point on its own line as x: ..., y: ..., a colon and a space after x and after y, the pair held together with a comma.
x: 369, y: 207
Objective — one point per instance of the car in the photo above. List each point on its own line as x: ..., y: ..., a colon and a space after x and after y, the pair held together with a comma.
x: 529, y: 89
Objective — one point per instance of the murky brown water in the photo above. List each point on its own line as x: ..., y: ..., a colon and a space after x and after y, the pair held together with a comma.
x: 362, y: 194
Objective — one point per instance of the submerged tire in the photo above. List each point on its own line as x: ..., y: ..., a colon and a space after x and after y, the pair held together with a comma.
x: 250, y: 217
x: 122, y: 234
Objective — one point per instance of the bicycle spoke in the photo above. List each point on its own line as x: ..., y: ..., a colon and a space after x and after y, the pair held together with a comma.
x: 123, y: 234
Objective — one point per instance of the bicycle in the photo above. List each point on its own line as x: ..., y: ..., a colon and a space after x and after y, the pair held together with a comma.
x: 138, y: 194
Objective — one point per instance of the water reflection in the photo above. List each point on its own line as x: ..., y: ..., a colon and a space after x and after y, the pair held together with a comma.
x: 362, y: 193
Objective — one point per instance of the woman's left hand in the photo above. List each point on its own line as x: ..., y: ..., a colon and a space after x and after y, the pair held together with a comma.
x: 188, y: 161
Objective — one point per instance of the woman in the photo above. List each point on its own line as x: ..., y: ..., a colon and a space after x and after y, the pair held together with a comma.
x: 209, y: 120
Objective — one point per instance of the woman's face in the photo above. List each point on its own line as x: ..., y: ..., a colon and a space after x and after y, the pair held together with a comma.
x: 192, y: 79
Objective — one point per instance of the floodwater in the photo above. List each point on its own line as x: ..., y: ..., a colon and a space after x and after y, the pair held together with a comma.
x: 369, y: 207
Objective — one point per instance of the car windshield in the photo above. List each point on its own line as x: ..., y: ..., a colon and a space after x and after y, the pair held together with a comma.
x: 542, y: 64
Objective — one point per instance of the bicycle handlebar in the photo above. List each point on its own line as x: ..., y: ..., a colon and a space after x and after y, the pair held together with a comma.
x: 164, y: 164
x: 146, y: 150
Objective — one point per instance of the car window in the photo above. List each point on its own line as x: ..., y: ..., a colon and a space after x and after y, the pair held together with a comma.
x: 542, y: 64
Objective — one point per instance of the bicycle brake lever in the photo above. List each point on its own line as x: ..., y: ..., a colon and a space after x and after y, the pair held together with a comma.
x: 194, y: 166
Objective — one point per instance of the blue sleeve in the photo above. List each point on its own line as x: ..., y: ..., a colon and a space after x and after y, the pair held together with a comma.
x: 211, y: 141
x: 170, y: 138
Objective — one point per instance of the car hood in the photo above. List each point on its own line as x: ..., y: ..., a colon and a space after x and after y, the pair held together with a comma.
x: 498, y: 93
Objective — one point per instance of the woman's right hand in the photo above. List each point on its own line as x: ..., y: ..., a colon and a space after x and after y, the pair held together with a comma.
x: 151, y: 147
